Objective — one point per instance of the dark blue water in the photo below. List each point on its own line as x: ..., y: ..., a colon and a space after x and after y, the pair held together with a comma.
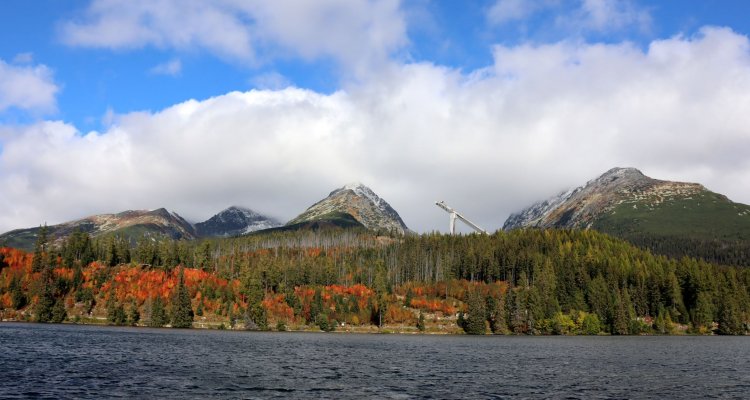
x: 68, y: 361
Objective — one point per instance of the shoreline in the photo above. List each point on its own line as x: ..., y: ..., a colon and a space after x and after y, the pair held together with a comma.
x: 363, y: 331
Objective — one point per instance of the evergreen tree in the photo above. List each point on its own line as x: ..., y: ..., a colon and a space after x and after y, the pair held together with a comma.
x: 475, y: 323
x: 58, y: 312
x: 703, y: 314
x: 730, y: 317
x: 316, y: 307
x: 158, y: 317
x: 40, y: 250
x: 134, y: 316
x: 381, y: 292
x: 115, y: 311
x: 17, y: 297
x: 182, y: 310
x: 408, y: 298
x: 494, y: 314
x: 420, y: 322
x: 324, y: 324
x: 47, y: 297
x: 255, y: 314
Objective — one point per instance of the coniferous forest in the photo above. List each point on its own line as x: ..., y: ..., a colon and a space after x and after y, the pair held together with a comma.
x: 518, y: 282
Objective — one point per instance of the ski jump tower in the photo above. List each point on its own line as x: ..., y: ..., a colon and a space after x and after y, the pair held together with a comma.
x: 455, y: 215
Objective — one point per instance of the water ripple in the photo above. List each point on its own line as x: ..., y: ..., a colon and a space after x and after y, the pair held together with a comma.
x: 68, y: 361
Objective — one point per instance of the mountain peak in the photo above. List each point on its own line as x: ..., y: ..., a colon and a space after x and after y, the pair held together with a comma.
x: 234, y: 221
x: 360, y: 202
x: 586, y: 205
x: 626, y: 171
x: 355, y: 186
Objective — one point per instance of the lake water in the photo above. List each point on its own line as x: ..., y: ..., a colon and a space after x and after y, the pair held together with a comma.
x: 75, y: 361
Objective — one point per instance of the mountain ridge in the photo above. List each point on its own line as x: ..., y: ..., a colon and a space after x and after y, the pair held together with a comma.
x: 361, y: 203
x: 234, y: 221
x: 670, y: 218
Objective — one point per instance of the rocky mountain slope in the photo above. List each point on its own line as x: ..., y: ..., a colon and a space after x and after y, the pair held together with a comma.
x: 234, y: 221
x: 361, y: 203
x: 133, y: 224
x: 583, y: 206
x: 673, y: 218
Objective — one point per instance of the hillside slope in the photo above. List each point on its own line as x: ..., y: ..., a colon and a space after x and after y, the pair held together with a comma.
x: 132, y: 224
x: 673, y: 218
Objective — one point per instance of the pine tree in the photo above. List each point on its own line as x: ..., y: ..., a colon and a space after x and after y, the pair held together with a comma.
x: 408, y: 298
x: 134, y: 316
x: 47, y: 297
x: 420, y: 322
x: 730, y: 317
x: 58, y: 312
x: 17, y: 297
x: 494, y: 314
x: 316, y: 306
x: 115, y: 312
x: 475, y: 323
x: 182, y: 310
x: 40, y: 248
x: 158, y: 317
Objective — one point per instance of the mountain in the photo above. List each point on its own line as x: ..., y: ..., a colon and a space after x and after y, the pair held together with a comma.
x: 361, y: 203
x: 673, y: 218
x: 133, y: 224
x: 234, y: 221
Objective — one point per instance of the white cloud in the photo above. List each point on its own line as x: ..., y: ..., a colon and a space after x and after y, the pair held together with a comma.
x: 504, y: 11
x: 271, y: 81
x: 23, y: 58
x: 581, y: 16
x: 30, y: 88
x: 613, y: 15
x: 540, y: 119
x: 168, y: 24
x: 358, y: 33
x: 171, y: 68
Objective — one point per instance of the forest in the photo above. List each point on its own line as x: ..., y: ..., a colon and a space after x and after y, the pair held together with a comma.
x: 520, y: 282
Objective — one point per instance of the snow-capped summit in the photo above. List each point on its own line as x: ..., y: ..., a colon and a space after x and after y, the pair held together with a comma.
x: 360, y: 202
x: 584, y: 206
x: 234, y: 221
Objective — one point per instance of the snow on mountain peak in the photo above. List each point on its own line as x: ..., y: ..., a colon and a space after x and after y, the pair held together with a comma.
x: 362, y: 190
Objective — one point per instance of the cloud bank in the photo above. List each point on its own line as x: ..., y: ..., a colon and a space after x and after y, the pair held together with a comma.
x: 540, y: 119
x: 27, y: 87
x: 360, y: 34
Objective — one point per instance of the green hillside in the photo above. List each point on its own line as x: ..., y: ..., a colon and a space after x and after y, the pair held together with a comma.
x: 330, y: 220
x: 706, y: 225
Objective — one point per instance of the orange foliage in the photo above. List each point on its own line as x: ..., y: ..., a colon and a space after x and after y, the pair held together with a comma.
x: 277, y: 308
x: 399, y: 315
x: 433, y: 305
x: 6, y: 301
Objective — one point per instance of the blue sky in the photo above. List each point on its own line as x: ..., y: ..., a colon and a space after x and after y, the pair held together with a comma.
x: 368, y: 78
x: 457, y: 34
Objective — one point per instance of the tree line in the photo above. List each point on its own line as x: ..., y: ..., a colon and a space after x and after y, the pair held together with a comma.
x: 557, y: 281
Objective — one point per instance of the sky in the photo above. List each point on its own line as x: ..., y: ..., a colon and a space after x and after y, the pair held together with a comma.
x: 111, y: 105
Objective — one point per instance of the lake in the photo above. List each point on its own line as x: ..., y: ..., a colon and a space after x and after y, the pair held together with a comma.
x: 77, y: 361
